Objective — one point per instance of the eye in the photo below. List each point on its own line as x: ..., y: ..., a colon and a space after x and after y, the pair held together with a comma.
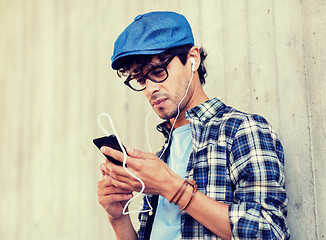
x: 141, y: 81
x: 157, y: 73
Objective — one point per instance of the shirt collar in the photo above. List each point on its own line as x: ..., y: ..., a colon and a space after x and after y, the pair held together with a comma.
x: 205, y: 111
x: 164, y: 128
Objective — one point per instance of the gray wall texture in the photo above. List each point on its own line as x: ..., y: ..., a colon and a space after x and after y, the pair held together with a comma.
x: 264, y: 56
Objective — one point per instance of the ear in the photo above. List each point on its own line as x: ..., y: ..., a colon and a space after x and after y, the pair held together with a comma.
x: 194, y: 58
x: 193, y: 62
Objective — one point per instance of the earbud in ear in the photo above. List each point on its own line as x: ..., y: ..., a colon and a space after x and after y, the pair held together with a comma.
x: 193, y: 64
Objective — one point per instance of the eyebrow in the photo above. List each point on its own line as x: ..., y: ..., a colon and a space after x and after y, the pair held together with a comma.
x: 150, y: 66
x: 158, y: 64
x: 154, y: 65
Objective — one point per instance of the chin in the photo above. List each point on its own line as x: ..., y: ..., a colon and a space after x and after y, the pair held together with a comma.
x: 166, y: 115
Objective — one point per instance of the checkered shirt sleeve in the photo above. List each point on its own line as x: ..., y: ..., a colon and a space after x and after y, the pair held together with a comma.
x: 257, y: 176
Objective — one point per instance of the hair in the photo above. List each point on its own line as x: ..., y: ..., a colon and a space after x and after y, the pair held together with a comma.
x: 145, y: 60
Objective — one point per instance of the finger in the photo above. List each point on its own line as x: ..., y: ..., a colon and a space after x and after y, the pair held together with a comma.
x: 114, y: 198
x: 117, y: 171
x: 105, y: 182
x: 109, y: 187
x: 138, y: 154
x: 117, y: 155
x: 104, y: 169
x: 112, y: 190
x: 127, y: 186
x: 125, y: 181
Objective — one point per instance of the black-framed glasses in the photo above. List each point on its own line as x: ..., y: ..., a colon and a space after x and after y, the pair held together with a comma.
x: 156, y: 74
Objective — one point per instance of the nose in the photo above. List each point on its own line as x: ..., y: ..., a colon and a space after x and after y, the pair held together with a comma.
x: 151, y: 87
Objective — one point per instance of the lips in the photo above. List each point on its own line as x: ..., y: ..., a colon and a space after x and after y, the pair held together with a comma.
x: 159, y: 102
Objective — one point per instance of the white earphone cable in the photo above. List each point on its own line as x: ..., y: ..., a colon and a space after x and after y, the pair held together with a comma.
x: 147, y: 135
x: 192, y: 75
x: 124, y: 166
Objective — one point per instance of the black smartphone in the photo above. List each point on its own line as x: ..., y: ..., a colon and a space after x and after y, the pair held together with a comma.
x: 109, y: 141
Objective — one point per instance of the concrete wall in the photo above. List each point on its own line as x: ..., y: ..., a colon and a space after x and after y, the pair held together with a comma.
x: 265, y: 56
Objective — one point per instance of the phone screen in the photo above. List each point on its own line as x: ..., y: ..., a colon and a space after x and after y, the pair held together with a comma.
x: 109, y: 141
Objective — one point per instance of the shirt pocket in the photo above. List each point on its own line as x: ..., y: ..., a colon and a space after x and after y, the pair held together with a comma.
x: 200, y: 169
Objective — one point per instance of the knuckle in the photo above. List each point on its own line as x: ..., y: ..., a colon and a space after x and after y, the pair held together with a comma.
x: 138, y: 165
x: 134, y: 184
x: 101, y: 201
x: 99, y: 192
x: 113, y: 174
x: 115, y: 183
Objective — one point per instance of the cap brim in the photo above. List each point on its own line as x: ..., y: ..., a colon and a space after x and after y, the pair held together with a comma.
x: 117, y: 62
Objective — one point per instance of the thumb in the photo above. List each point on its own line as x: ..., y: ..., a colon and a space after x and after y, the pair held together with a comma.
x: 137, y: 153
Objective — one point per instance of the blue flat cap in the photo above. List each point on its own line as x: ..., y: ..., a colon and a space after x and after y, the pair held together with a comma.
x: 152, y: 33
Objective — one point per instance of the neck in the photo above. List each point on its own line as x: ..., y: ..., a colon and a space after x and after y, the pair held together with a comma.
x: 197, y: 98
x: 181, y: 120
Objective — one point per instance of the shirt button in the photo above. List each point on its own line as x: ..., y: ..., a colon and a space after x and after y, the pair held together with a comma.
x: 138, y: 17
x: 150, y: 213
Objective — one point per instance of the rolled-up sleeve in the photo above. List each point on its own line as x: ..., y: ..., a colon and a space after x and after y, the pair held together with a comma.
x: 256, y: 167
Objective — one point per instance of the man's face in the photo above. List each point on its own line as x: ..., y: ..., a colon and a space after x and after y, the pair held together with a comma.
x: 165, y: 97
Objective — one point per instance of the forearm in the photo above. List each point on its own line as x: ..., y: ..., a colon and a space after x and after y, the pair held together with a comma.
x: 212, y: 214
x: 123, y: 228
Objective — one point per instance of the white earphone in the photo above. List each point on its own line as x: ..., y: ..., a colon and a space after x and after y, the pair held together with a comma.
x: 193, y: 64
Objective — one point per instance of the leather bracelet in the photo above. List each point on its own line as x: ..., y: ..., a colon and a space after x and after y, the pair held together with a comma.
x: 177, y: 193
x: 194, y: 185
x: 182, y: 191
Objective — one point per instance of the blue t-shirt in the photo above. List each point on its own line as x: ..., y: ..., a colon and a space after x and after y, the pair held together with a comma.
x: 167, y: 220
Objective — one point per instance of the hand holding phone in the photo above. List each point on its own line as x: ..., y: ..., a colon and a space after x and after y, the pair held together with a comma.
x: 109, y: 141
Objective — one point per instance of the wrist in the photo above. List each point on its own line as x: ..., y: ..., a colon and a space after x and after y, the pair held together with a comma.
x: 189, y: 195
x: 123, y: 227
x: 117, y: 220
x: 171, y: 187
x: 184, y: 195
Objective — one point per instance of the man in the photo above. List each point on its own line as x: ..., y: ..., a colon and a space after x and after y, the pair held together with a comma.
x: 233, y: 159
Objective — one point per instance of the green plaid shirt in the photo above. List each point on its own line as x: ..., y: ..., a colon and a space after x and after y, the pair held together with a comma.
x: 236, y: 159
